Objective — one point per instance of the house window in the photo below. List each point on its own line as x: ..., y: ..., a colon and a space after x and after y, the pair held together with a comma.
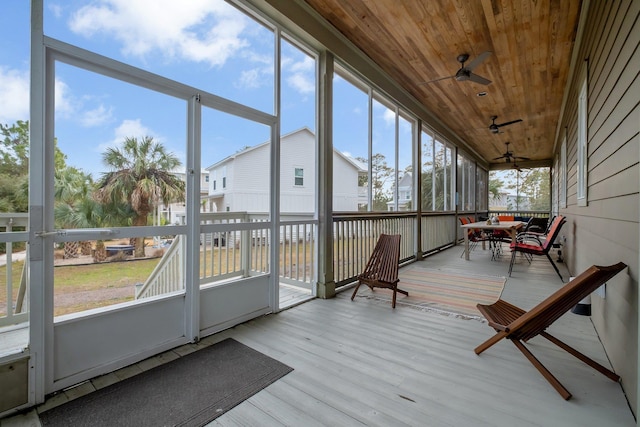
x: 299, y: 177
x: 224, y: 177
x: 206, y: 178
x: 582, y: 146
x: 214, y: 184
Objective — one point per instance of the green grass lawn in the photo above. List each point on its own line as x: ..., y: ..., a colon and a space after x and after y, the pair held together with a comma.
x: 70, y: 278
x: 86, y: 286
x: 81, y: 287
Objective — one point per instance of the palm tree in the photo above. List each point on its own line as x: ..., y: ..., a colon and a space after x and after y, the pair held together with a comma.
x: 76, y: 207
x: 141, y: 177
x: 72, y: 188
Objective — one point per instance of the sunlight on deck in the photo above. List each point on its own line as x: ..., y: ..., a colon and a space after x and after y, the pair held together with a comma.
x: 363, y: 363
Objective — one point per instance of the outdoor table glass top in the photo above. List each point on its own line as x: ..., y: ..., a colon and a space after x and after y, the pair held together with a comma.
x: 511, y: 226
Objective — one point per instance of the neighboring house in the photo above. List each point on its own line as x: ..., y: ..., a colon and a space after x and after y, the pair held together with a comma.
x: 240, y: 182
x: 176, y: 213
x: 405, y: 191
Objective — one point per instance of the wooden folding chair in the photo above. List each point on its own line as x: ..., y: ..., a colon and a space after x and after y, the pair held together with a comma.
x: 382, y: 269
x: 520, y: 326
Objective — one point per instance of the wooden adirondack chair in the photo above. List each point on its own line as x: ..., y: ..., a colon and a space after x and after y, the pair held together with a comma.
x: 382, y: 269
x: 519, y: 326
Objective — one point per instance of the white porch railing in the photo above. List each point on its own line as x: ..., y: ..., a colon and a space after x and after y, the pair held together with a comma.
x: 168, y: 275
x: 234, y: 245
x: 13, y: 304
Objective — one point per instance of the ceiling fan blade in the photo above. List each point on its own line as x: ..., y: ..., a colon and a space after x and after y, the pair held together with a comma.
x: 509, y: 123
x: 436, y: 80
x: 478, y: 60
x: 478, y: 79
x: 524, y: 159
x: 498, y: 158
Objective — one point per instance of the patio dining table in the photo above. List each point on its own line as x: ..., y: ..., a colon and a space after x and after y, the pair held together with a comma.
x: 511, y: 226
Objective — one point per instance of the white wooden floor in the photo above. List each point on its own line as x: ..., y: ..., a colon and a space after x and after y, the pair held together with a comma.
x: 364, y: 363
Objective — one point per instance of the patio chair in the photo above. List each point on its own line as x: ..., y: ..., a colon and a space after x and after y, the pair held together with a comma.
x: 537, y: 248
x: 382, y: 269
x: 475, y: 235
x: 536, y: 229
x: 519, y: 326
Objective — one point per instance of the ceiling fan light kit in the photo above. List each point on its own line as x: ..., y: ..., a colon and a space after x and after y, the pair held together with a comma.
x: 466, y: 72
x: 508, y: 156
x: 495, y: 128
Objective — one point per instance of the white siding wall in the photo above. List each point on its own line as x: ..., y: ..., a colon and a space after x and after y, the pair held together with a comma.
x: 345, y: 185
x: 298, y: 151
x: 248, y: 181
x: 248, y: 186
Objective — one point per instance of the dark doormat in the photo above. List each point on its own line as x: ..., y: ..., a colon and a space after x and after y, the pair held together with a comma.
x: 189, y: 391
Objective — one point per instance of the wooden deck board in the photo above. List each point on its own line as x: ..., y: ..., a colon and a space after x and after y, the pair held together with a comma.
x: 373, y: 365
x: 363, y: 363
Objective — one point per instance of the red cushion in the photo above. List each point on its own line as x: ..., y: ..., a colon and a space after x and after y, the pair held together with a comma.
x: 525, y: 247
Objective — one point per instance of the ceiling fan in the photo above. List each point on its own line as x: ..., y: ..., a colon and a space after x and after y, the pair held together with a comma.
x: 465, y: 73
x: 517, y: 167
x: 495, y: 128
x: 508, y: 156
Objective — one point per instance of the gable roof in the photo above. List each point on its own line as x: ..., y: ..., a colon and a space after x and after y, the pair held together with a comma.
x: 355, y: 163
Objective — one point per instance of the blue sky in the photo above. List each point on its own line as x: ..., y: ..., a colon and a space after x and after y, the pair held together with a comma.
x: 207, y: 44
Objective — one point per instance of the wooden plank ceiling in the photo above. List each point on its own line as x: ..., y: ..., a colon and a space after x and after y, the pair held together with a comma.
x: 418, y: 41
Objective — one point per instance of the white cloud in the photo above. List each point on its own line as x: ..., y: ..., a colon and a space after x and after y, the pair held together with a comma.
x: 135, y: 129
x: 301, y: 76
x: 56, y: 9
x: 84, y: 110
x: 14, y: 95
x: 132, y: 129
x: 128, y: 129
x: 306, y: 65
x: 259, y: 76
x: 302, y: 83
x: 96, y: 117
x: 389, y: 117
x: 65, y: 104
x: 198, y: 30
x: 249, y: 79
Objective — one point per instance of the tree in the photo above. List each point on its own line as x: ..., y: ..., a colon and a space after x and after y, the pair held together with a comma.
x: 76, y: 207
x: 535, y: 186
x: 15, y: 149
x: 13, y: 193
x: 531, y: 187
x: 495, y: 186
x: 140, y: 176
x: 14, y: 166
x: 381, y: 173
x: 436, y: 179
x: 72, y: 188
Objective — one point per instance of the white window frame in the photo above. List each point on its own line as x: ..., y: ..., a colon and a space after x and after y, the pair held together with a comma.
x: 582, y: 144
x: 296, y: 177
x: 224, y: 177
x: 562, y: 175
